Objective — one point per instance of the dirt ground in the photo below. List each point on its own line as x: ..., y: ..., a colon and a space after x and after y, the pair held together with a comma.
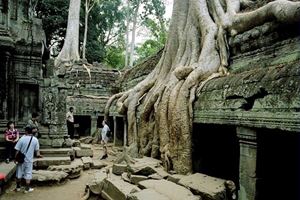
x: 68, y: 190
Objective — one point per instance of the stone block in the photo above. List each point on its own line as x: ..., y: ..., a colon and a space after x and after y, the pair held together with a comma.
x: 98, y: 164
x: 96, y: 184
x: 8, y: 170
x: 85, y: 146
x: 118, y: 169
x: 147, y: 194
x: 141, y: 170
x: 117, y: 189
x: 86, y: 140
x: 125, y: 177
x: 43, y: 163
x: 45, y: 142
x: 48, y: 176
x: 73, y: 170
x: 57, y: 143
x: 87, y: 162
x: 83, y: 152
x: 206, y: 186
x: 76, y: 143
x: 161, y: 172
x: 135, y: 179
x: 168, y: 189
x: 68, y: 142
x: 144, y: 166
x: 78, y: 162
x: 155, y: 176
x: 56, y: 152
x: 175, y: 178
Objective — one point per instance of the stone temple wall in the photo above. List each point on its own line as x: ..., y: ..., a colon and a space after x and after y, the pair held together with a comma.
x: 263, y: 87
x: 20, y: 62
x: 84, y: 87
x: 88, y: 94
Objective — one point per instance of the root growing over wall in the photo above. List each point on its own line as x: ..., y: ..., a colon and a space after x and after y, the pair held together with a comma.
x: 160, y: 108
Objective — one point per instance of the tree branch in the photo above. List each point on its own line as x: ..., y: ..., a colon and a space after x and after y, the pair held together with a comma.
x: 280, y: 10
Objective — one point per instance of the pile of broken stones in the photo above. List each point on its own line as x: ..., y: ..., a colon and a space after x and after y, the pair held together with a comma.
x: 57, y: 169
x: 145, y: 179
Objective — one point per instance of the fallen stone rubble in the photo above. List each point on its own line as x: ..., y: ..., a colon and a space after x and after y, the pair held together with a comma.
x: 146, y: 180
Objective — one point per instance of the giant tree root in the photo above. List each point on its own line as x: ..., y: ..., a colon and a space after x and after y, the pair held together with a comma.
x: 160, y: 108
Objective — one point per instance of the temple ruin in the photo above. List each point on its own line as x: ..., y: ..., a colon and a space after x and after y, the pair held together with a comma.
x: 245, y: 125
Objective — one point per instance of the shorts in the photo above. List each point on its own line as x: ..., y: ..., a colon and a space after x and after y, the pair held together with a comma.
x: 24, y: 170
x: 104, y: 137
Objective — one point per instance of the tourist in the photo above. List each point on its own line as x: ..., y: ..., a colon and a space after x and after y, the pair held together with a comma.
x: 70, y: 122
x: 104, y: 133
x: 33, y: 123
x: 11, y: 138
x: 26, y: 145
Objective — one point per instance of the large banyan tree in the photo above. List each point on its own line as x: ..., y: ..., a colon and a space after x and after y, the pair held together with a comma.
x: 159, y: 109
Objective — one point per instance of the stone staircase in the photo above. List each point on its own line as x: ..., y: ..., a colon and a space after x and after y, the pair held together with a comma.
x: 52, y: 156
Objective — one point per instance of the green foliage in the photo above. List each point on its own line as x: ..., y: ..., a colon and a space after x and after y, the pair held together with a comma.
x: 115, y: 57
x: 54, y: 14
x: 105, y: 25
x: 153, y: 19
x: 106, y: 28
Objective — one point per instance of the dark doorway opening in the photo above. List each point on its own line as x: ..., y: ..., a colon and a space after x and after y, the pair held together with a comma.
x: 82, y: 125
x: 216, y: 151
x: 28, y: 101
x: 120, y: 131
x: 278, y: 165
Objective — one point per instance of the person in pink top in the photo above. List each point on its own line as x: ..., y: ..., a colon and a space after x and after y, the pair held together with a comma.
x: 11, y: 138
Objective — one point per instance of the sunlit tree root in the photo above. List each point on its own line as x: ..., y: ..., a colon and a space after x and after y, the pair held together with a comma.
x: 160, y: 108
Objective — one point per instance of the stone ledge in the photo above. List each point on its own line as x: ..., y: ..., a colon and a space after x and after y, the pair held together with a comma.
x: 47, y: 161
x: 8, y: 170
x: 281, y: 120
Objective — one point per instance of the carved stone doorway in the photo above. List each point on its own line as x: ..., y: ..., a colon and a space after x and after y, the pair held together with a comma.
x: 216, y: 151
x: 28, y: 101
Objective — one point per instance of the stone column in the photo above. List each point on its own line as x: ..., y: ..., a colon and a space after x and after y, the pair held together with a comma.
x: 125, y: 132
x: 115, y: 130
x: 248, y: 155
x: 93, y: 124
x: 55, y: 111
x: 6, y: 85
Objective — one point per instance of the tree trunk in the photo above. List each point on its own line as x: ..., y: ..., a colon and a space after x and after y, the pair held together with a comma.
x: 85, y: 28
x: 160, y: 108
x: 127, y: 35
x: 135, y: 17
x: 70, y: 51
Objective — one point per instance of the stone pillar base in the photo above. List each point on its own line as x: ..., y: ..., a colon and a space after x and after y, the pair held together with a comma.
x: 248, y: 154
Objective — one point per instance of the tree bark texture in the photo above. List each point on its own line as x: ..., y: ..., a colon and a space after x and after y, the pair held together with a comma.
x: 133, y: 34
x: 70, y: 50
x: 160, y: 108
